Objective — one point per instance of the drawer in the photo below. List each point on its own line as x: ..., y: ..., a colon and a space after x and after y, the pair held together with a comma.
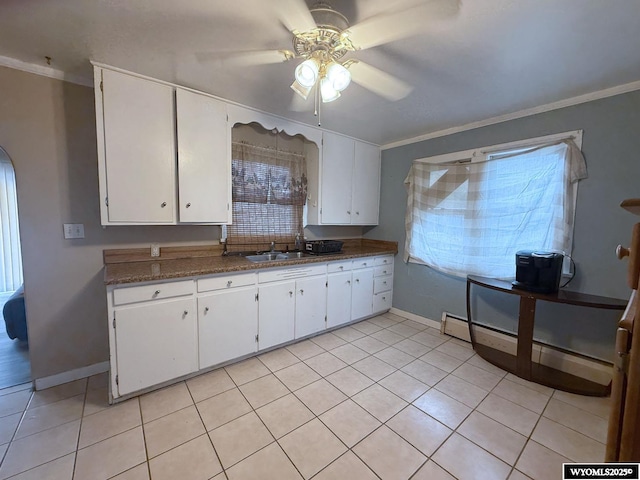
x: 382, y: 284
x: 287, y: 273
x: 157, y: 291
x: 363, y: 262
x: 382, y: 301
x: 334, y: 267
x: 226, y: 281
x: 383, y: 270
x: 384, y: 260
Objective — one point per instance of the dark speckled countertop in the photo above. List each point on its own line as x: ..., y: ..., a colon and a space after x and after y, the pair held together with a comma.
x: 145, y: 271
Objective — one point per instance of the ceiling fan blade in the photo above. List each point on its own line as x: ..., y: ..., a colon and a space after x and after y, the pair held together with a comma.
x: 379, y: 82
x: 248, y: 58
x: 387, y: 28
x: 295, y: 15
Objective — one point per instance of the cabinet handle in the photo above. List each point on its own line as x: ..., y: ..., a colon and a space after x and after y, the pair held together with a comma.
x: 384, y: 272
x: 357, y: 280
x: 348, y: 282
x: 384, y: 298
x: 163, y: 204
x: 188, y: 204
x: 384, y: 282
x: 301, y: 292
x: 364, y: 264
x: 206, y: 309
x: 185, y: 313
x: 357, y: 213
x: 156, y: 293
x: 341, y: 267
x: 290, y: 293
x: 229, y: 283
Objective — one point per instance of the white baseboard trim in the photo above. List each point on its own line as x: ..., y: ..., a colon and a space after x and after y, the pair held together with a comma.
x: 590, y: 369
x: 415, y: 318
x: 70, y: 375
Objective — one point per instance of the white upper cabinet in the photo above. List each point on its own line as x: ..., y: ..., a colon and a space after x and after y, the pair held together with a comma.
x: 136, y: 149
x: 350, y: 181
x: 337, y: 179
x: 366, y: 184
x: 204, y: 161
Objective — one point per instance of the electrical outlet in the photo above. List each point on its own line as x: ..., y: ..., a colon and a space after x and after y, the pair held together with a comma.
x: 155, y: 249
x: 73, y: 230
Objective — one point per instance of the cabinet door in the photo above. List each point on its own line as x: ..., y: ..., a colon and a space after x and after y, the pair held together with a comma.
x: 204, y: 160
x: 362, y: 293
x: 311, y: 305
x: 337, y: 171
x: 338, y: 299
x: 155, y: 342
x: 139, y: 149
x: 227, y: 325
x: 366, y: 184
x: 276, y: 313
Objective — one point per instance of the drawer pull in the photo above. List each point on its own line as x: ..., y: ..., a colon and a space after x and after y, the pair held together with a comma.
x: 206, y: 309
x: 188, y: 204
x: 229, y: 283
x: 156, y: 293
x: 301, y: 292
x: 384, y: 273
x: 364, y: 264
x: 185, y: 313
x: 348, y: 212
x: 341, y: 267
x: 357, y: 280
x: 290, y: 293
x: 348, y: 282
x: 163, y: 204
x: 385, y: 282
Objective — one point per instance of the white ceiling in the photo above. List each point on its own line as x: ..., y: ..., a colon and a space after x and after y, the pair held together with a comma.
x: 491, y: 58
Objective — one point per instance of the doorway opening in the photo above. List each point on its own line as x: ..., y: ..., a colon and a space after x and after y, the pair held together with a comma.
x: 15, y: 367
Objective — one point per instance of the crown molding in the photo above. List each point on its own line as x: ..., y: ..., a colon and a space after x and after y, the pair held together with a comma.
x: 45, y: 71
x: 588, y: 97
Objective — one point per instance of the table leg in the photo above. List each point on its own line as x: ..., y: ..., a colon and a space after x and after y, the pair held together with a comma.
x: 525, y: 336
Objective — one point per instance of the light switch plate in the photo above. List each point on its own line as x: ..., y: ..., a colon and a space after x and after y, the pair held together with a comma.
x: 73, y: 230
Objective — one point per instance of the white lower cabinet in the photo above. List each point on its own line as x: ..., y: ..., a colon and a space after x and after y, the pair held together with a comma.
x: 164, y: 331
x: 276, y: 313
x: 338, y: 294
x: 382, y: 283
x: 361, y: 293
x: 311, y: 305
x: 227, y: 325
x: 154, y: 342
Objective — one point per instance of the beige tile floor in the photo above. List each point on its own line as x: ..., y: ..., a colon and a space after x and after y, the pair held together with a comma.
x: 385, y: 398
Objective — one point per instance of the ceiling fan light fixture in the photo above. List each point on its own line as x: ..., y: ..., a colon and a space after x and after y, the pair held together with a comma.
x: 339, y: 76
x: 307, y: 72
x: 327, y: 92
x: 300, y: 89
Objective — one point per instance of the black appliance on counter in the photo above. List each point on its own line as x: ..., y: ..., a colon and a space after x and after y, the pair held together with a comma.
x: 538, y: 271
x: 323, y: 247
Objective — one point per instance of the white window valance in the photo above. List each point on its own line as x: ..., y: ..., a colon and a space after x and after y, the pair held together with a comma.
x: 471, y: 218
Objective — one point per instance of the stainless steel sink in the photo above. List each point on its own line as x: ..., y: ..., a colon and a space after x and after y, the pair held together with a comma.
x: 275, y: 256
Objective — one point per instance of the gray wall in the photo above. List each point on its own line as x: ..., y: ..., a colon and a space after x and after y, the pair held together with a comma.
x: 611, y: 145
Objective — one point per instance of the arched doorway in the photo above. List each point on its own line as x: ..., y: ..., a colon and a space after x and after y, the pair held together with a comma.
x: 14, y: 348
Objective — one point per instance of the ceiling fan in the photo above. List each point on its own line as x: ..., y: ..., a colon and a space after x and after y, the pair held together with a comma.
x: 322, y: 37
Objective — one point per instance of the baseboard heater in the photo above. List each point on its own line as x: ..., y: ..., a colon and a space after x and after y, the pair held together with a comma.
x: 579, y: 365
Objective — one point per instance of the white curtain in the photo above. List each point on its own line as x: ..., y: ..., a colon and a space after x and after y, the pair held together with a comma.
x: 10, y: 254
x: 472, y: 218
